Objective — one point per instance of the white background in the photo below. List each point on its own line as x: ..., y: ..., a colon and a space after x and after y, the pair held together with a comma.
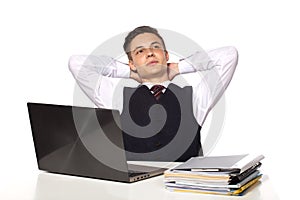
x: 262, y: 102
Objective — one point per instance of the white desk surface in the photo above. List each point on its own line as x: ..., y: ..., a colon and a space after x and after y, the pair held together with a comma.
x: 48, y: 186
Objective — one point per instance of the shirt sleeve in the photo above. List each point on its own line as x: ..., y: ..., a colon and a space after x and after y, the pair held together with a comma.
x: 98, y: 77
x: 103, y: 65
x: 199, y: 61
x: 216, y: 73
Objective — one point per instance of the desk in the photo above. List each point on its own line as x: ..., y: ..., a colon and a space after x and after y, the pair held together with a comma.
x: 61, y: 187
x: 48, y: 186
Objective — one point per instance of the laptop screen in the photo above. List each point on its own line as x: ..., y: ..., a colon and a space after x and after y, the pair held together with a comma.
x: 78, y: 141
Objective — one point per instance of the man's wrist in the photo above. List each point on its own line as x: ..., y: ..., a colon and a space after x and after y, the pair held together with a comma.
x: 172, y: 70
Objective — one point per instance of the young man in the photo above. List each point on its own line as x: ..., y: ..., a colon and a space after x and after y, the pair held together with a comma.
x: 161, y: 121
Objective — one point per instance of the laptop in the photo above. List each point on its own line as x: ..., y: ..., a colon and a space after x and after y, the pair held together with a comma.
x: 84, y: 142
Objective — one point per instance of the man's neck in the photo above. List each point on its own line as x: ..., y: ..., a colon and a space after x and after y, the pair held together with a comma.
x: 156, y: 80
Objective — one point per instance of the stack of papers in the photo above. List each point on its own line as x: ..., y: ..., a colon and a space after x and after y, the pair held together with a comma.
x: 224, y: 175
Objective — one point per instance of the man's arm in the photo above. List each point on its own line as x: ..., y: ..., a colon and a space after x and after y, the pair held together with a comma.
x: 98, y: 77
x: 199, y: 61
x: 102, y: 65
x: 217, y: 68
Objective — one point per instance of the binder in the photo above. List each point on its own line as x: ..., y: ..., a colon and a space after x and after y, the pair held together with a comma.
x: 232, y: 164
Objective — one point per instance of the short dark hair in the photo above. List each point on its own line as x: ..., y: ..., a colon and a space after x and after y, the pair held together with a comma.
x: 137, y: 31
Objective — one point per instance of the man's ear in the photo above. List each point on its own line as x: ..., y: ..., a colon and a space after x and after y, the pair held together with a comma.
x: 167, y: 55
x: 131, y: 65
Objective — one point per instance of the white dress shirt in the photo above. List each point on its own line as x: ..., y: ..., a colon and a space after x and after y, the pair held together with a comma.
x: 103, y: 78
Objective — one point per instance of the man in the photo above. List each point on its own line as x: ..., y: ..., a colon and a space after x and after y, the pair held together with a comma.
x: 160, y: 120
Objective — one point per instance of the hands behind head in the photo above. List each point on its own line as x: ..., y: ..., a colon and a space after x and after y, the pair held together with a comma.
x: 134, y: 75
x: 173, y: 70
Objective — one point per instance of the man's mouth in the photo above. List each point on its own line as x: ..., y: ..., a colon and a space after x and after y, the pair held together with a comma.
x: 154, y: 62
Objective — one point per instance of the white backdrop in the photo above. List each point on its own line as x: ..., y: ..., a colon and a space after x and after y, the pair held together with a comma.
x: 262, y: 102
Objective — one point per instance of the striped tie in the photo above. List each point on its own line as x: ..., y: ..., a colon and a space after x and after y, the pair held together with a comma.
x: 157, y: 90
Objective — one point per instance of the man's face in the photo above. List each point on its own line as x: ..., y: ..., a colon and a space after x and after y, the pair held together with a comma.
x: 149, y: 59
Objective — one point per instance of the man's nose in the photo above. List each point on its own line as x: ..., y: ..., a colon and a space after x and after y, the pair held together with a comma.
x: 150, y: 52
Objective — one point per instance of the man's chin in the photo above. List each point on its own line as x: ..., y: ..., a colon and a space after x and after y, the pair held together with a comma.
x: 157, y: 70
x: 155, y: 74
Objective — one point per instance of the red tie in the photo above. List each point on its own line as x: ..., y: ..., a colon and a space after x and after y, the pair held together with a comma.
x: 157, y: 90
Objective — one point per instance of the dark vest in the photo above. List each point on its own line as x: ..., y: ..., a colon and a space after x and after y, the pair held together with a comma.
x: 160, y: 130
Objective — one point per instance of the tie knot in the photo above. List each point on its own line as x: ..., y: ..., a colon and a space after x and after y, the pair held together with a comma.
x: 157, y: 90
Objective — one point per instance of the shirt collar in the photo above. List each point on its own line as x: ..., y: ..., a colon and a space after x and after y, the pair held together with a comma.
x: 149, y: 85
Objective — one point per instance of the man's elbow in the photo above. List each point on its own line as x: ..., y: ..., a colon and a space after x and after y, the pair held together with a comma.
x: 232, y: 53
x: 74, y: 64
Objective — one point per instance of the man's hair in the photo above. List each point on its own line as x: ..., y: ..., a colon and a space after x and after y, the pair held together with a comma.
x: 137, y: 31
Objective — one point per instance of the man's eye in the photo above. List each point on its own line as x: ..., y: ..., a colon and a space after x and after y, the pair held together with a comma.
x: 140, y: 51
x: 157, y: 47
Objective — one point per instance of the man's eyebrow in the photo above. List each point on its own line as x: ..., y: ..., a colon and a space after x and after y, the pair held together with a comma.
x: 137, y: 48
x: 155, y: 42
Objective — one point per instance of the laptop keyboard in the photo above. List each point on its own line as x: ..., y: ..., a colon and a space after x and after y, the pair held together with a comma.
x: 133, y: 173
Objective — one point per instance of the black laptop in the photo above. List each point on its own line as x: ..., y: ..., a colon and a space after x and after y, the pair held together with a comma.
x: 83, y: 142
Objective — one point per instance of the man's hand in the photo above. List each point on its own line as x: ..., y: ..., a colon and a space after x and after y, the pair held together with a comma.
x: 172, y: 70
x: 134, y: 75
